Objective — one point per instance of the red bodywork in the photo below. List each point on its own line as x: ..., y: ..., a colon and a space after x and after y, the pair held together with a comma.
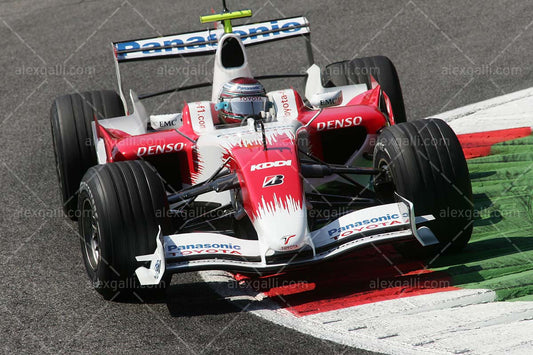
x: 362, y: 111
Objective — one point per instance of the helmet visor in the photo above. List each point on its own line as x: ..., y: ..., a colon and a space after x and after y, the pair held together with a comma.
x: 246, y: 105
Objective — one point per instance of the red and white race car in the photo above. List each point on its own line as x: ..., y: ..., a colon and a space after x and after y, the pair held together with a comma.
x: 253, y: 181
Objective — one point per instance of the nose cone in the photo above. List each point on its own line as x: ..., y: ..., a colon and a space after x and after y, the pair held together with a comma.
x: 272, y: 191
x: 281, y: 224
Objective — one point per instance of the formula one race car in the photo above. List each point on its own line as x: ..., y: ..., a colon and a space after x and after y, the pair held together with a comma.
x: 253, y: 181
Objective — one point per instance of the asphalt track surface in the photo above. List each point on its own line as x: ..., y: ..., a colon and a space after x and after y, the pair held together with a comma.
x: 441, y: 51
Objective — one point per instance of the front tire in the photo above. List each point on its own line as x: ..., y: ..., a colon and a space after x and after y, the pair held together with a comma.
x: 71, y: 118
x: 122, y: 206
x: 423, y: 161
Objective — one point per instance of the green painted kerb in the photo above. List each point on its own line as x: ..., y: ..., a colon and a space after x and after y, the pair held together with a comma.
x: 500, y: 253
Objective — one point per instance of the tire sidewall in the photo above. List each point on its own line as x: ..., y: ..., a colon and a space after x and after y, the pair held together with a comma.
x: 102, y: 275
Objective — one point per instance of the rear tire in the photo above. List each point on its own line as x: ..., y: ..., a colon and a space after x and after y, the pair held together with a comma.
x: 74, y: 148
x: 122, y: 206
x: 426, y: 165
x: 358, y: 71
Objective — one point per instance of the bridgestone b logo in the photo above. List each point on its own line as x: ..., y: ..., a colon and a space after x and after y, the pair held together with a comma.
x: 273, y: 180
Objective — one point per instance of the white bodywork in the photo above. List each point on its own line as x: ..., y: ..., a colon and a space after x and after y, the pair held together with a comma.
x: 318, y: 94
x: 222, y: 75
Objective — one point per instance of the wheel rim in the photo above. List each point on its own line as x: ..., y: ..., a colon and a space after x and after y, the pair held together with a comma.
x: 91, y: 237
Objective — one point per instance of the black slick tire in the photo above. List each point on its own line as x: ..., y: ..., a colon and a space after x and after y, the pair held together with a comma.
x: 74, y: 147
x: 121, y: 208
x: 423, y: 162
x: 358, y: 71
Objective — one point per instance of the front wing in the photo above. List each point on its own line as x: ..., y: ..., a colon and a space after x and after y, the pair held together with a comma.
x: 204, y: 251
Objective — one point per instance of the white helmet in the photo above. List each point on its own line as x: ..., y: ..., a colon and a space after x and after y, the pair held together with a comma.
x: 241, y: 98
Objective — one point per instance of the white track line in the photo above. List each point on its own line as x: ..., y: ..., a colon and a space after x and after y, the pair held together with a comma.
x: 462, y: 321
x: 509, y: 111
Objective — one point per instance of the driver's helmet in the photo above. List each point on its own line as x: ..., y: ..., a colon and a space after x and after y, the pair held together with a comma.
x: 241, y: 98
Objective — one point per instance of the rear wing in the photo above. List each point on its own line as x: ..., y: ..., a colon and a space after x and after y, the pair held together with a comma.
x: 205, y: 42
